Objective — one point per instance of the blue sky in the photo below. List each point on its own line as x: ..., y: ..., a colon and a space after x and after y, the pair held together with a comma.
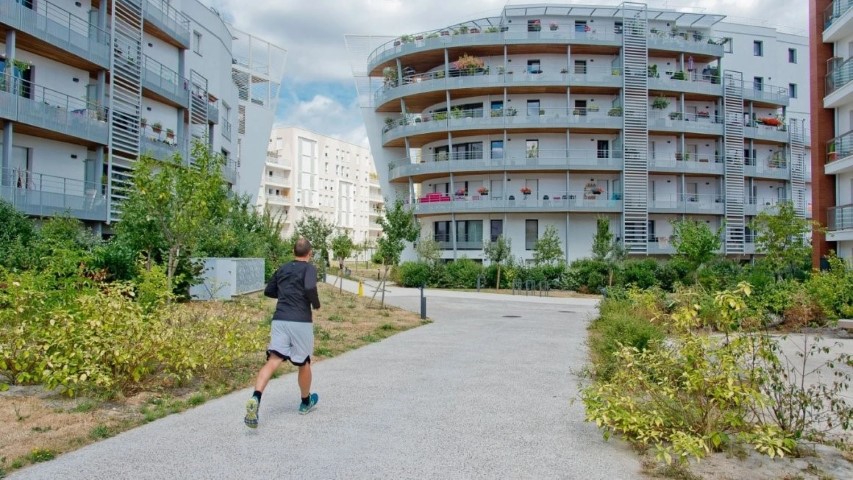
x: 318, y: 92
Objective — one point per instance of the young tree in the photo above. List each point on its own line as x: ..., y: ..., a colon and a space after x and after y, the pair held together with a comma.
x: 602, y: 242
x: 695, y: 243
x: 343, y: 247
x: 172, y: 207
x: 547, y: 249
x: 498, y: 252
x: 398, y: 226
x: 428, y: 249
x: 781, y: 236
x: 318, y: 231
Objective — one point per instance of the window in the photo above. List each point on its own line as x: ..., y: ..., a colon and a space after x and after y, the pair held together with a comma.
x: 534, y: 25
x: 758, y: 83
x: 728, y: 45
x: 603, y: 149
x: 497, y: 149
x: 534, y: 66
x: 581, y: 26
x: 497, y: 229
x: 469, y: 234
x: 792, y: 90
x: 580, y: 67
x: 617, y: 28
x: 532, y: 148
x: 758, y: 48
x: 468, y: 151
x: 442, y: 232
x: 497, y: 108
x: 792, y: 55
x: 580, y: 107
x: 651, y: 231
x: 533, y: 108
x: 197, y: 42
x: 531, y: 234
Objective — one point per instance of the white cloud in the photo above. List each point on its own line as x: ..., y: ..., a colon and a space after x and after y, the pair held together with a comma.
x: 328, y: 116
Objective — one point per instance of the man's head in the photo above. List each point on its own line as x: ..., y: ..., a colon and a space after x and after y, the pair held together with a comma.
x: 302, y: 248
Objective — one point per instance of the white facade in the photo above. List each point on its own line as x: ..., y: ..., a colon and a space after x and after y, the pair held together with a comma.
x: 311, y: 174
x: 84, y: 93
x: 838, y: 96
x: 567, y: 115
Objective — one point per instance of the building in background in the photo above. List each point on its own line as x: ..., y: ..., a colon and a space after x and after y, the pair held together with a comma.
x: 311, y: 174
x: 87, y: 86
x: 831, y: 33
x: 560, y: 114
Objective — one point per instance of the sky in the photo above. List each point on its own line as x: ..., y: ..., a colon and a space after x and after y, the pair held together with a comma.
x: 318, y: 91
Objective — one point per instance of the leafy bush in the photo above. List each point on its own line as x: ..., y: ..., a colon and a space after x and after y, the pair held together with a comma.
x: 720, y: 274
x: 619, y: 325
x: 412, y: 274
x: 463, y: 273
x: 676, y: 270
x: 832, y: 290
x: 639, y: 273
x: 587, y: 275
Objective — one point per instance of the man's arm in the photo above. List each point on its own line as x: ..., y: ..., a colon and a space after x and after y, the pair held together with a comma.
x: 311, y: 287
x: 272, y: 287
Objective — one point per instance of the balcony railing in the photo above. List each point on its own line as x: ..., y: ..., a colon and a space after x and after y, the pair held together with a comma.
x: 688, y: 163
x: 755, y: 205
x: 229, y: 171
x: 766, y: 132
x: 694, y: 123
x: 213, y: 112
x: 686, y: 203
x: 278, y: 180
x: 561, y: 117
x: 839, y: 147
x: 58, y: 27
x: 158, y: 148
x: 518, y: 160
x: 763, y: 92
x: 840, y: 218
x: 164, y: 81
x: 44, y: 195
x: 42, y: 107
x: 168, y: 19
x: 840, y: 73
x: 688, y: 82
x: 773, y: 166
x: 226, y: 129
x: 836, y: 10
x: 580, y: 201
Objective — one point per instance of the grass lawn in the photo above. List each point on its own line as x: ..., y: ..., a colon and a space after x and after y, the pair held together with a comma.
x: 36, y: 425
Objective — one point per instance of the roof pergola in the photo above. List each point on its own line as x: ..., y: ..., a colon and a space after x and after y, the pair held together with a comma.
x: 698, y: 20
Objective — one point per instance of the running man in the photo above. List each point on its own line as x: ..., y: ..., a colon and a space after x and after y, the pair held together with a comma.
x: 294, y: 284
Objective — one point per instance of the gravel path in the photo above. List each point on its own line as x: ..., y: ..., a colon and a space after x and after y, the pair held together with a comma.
x: 483, y: 392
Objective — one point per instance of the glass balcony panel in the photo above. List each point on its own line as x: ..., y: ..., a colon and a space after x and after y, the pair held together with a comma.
x: 168, y: 19
x: 581, y: 201
x: 705, y: 123
x: 52, y: 110
x: 839, y: 148
x: 226, y: 129
x: 164, y: 81
x: 840, y: 218
x: 835, y: 11
x: 158, y: 148
x: 46, y: 195
x: 688, y: 163
x: 57, y: 26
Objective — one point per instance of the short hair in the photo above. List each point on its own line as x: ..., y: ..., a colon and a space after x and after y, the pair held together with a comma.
x: 301, y: 247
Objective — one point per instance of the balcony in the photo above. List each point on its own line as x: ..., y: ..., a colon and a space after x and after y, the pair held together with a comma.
x: 229, y: 171
x: 688, y: 163
x: 213, y: 112
x: 660, y: 246
x: 709, y: 204
x: 278, y: 181
x: 56, y: 27
x: 53, y: 111
x: 755, y: 205
x: 579, y: 201
x: 274, y: 199
x: 839, y: 156
x: 168, y: 20
x: 157, y: 148
x: 494, y: 76
x: 840, y: 223
x: 511, y: 160
x: 164, y: 82
x: 838, y: 86
x: 691, y: 42
x: 776, y: 134
x: 508, y: 118
x: 836, y: 20
x: 773, y: 166
x: 45, y: 195
x: 705, y: 123
x: 693, y: 82
x: 764, y: 93
x: 274, y: 160
x: 446, y: 39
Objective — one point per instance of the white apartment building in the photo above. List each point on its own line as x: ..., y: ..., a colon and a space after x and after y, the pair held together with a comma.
x: 560, y: 114
x: 89, y: 85
x: 831, y: 31
x: 311, y: 174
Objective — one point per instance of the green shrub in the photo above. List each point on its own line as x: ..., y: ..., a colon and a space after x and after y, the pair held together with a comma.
x: 619, y: 325
x: 720, y: 274
x: 587, y: 275
x: 463, y: 273
x: 412, y: 274
x: 676, y: 270
x: 832, y: 290
x: 116, y: 260
x: 639, y: 273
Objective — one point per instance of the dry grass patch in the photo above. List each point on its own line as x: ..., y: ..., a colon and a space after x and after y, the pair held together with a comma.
x: 36, y: 425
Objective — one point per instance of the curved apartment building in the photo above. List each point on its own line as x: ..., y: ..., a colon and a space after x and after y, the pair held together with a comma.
x: 560, y: 114
x: 87, y: 86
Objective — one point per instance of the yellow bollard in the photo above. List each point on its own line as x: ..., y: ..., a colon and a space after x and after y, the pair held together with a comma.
x: 360, y: 289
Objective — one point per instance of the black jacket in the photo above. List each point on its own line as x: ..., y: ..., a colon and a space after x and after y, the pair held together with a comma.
x: 294, y: 284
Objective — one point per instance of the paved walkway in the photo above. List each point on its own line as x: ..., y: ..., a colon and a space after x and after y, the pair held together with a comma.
x: 483, y: 392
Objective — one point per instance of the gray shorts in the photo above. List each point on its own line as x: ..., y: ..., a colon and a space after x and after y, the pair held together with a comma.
x: 292, y: 341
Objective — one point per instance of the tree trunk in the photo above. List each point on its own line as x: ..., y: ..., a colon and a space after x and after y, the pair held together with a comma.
x: 498, y: 284
x: 172, y: 265
x: 384, y: 277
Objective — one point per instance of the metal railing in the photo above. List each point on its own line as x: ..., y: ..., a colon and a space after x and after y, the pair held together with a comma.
x: 578, y: 200
x: 687, y: 203
x: 164, y: 81
x: 42, y: 107
x: 39, y: 194
x: 158, y: 148
x: 839, y: 147
x: 213, y: 112
x: 840, y: 218
x: 226, y: 129
x: 840, y: 73
x: 55, y: 25
x: 168, y: 19
x: 836, y: 10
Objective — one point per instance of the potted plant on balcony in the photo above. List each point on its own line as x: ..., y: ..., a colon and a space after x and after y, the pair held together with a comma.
x: 461, y: 192
x: 660, y: 103
x: 653, y: 71
x: 831, y: 156
x: 469, y: 64
x: 143, y: 122
x: 592, y: 108
x: 679, y: 75
x: 483, y: 191
x: 170, y: 134
x: 554, y: 26
x: 525, y: 190
x: 615, y: 112
x: 703, y: 114
x: 157, y: 127
x: 675, y: 115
